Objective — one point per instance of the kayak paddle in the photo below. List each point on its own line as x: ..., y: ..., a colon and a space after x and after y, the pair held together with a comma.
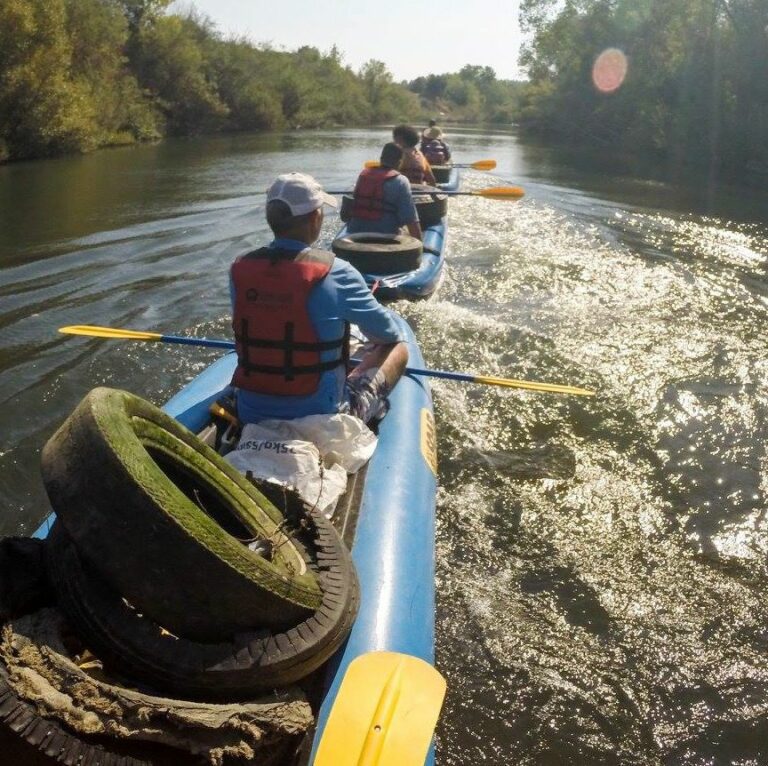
x: 93, y: 331
x: 384, y: 713
x: 492, y: 192
x: 479, y: 165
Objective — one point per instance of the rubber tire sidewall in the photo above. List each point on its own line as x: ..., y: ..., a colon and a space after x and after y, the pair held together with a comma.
x: 150, y: 541
x: 403, y: 252
x: 237, y: 669
x: 431, y: 205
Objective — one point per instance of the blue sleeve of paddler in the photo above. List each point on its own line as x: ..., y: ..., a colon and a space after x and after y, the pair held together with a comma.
x: 406, y: 207
x: 358, y: 306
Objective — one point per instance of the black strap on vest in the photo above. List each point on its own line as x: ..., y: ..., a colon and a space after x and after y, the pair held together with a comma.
x: 287, y: 344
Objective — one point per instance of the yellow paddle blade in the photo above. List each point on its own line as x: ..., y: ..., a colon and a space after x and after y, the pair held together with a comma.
x: 483, y: 165
x: 94, y: 331
x: 384, y: 714
x: 500, y: 192
x: 372, y: 164
x: 533, y: 386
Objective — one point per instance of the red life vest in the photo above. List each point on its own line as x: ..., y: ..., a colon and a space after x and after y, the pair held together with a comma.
x: 278, y: 351
x: 412, y: 166
x: 369, y: 194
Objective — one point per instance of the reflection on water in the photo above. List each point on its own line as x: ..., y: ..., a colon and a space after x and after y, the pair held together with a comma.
x: 601, y: 562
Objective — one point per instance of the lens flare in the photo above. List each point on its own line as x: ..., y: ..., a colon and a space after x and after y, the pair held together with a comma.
x: 609, y: 70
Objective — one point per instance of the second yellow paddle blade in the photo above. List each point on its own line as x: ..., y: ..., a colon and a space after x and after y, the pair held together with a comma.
x: 94, y: 331
x: 532, y: 385
x: 384, y: 714
x: 501, y: 192
x: 483, y: 165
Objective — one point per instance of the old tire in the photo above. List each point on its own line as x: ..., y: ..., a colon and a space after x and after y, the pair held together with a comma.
x: 442, y: 173
x: 345, y: 209
x: 138, y: 648
x: 164, y: 519
x: 29, y: 739
x: 431, y: 205
x: 372, y: 253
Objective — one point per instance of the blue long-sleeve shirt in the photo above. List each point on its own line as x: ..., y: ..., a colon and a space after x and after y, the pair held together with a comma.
x: 342, y: 296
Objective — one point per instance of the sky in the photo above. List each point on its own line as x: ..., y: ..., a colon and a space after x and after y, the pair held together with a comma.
x: 412, y: 38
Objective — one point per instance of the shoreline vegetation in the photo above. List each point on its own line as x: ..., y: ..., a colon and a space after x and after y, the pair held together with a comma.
x: 685, y: 83
x: 78, y: 75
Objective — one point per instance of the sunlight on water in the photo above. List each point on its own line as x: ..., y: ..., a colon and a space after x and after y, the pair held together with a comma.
x: 601, y: 563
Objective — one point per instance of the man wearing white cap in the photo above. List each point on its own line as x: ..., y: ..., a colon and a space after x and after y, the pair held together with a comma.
x: 292, y: 308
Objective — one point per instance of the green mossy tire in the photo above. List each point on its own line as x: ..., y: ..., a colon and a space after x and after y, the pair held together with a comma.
x: 137, y: 648
x: 164, y: 519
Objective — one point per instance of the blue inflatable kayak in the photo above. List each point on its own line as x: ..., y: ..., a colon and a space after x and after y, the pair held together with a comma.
x: 387, y: 517
x: 422, y: 281
x: 452, y: 184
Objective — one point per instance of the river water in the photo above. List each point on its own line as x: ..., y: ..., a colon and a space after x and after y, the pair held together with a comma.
x: 602, y: 572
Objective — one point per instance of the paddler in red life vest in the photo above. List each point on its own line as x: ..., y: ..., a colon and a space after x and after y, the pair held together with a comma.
x: 434, y: 147
x: 383, y: 201
x: 292, y: 308
x: 414, y: 165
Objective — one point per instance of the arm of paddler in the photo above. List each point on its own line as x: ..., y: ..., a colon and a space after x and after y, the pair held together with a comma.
x: 385, y: 358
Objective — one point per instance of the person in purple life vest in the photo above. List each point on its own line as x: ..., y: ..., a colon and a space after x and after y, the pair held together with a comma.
x: 433, y: 147
x: 292, y: 306
x: 383, y: 202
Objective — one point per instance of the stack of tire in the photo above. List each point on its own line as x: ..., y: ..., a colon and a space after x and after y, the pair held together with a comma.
x: 176, y: 570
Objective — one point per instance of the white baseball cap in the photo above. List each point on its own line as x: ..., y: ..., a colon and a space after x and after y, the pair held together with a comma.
x: 300, y: 192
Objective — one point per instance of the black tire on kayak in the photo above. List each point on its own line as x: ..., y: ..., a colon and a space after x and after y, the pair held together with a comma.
x: 166, y: 520
x: 137, y: 648
x: 442, y: 173
x: 345, y: 209
x: 372, y: 253
x: 431, y: 205
x: 28, y: 739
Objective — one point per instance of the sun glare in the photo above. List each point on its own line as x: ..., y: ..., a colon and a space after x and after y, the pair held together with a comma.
x: 609, y: 70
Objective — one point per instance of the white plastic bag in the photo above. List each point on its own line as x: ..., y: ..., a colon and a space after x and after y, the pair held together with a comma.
x: 312, y: 454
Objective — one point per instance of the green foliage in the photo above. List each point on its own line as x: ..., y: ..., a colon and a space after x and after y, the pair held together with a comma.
x: 79, y: 74
x: 471, y: 95
x: 173, y: 66
x: 386, y: 100
x: 43, y: 111
x: 696, y: 90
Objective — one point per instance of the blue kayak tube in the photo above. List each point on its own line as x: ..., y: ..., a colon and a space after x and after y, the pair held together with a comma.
x: 387, y: 518
x: 423, y: 281
x: 452, y: 184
